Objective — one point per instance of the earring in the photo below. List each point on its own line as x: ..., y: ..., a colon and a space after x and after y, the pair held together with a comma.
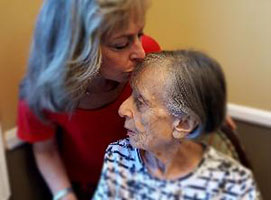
x: 178, y: 134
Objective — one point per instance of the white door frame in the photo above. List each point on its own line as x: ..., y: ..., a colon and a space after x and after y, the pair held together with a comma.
x: 4, y: 182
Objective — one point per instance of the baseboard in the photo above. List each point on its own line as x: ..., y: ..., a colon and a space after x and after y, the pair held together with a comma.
x: 250, y: 115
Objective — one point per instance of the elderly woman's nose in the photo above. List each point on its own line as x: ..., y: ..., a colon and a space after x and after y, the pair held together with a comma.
x: 125, y: 108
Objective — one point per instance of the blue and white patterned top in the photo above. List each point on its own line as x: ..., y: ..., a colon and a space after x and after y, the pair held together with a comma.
x: 218, y: 177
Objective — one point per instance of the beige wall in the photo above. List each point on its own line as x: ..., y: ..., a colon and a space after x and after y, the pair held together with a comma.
x: 17, y: 19
x: 236, y: 33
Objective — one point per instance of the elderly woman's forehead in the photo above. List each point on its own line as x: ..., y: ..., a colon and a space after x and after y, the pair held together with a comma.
x: 150, y: 74
x: 151, y: 80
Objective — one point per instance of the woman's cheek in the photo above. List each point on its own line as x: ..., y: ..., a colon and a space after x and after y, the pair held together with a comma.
x: 149, y: 121
x: 142, y: 123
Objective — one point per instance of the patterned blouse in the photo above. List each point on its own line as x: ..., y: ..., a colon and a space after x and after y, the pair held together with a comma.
x: 218, y: 177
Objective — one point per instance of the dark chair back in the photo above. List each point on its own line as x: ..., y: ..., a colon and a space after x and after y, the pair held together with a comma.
x: 227, y: 141
x: 234, y: 139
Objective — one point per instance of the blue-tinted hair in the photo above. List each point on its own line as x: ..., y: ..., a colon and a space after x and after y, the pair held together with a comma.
x: 65, y: 53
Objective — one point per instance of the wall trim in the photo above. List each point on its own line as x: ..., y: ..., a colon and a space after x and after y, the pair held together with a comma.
x: 5, y: 192
x: 250, y: 115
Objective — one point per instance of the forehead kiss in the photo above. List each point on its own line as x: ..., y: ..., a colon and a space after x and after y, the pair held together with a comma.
x: 171, y: 90
x: 149, y: 81
x: 146, y: 117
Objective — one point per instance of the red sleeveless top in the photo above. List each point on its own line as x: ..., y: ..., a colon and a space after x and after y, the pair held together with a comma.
x: 85, y: 133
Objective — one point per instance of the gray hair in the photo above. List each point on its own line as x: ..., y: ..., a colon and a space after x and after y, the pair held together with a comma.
x: 195, y: 86
x: 65, y: 54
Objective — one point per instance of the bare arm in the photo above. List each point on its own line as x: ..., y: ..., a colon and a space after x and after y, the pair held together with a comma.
x: 51, y: 167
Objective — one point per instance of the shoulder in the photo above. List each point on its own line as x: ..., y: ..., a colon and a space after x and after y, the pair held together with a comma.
x: 121, y: 150
x: 224, y: 163
x: 121, y: 157
x: 226, y: 174
x: 150, y: 45
x: 30, y: 127
x: 25, y: 110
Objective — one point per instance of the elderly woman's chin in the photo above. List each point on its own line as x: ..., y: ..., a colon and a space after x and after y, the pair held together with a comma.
x: 138, y: 141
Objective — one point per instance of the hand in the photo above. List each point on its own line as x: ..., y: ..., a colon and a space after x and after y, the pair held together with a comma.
x: 70, y: 196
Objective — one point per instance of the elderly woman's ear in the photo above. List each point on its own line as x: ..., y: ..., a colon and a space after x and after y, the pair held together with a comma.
x: 183, y: 127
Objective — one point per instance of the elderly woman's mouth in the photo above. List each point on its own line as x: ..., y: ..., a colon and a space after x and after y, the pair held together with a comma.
x: 130, y: 133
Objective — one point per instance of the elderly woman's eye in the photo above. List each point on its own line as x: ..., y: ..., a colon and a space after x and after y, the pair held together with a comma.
x: 139, y: 102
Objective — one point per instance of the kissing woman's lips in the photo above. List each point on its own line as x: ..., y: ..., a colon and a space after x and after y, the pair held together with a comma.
x: 128, y: 74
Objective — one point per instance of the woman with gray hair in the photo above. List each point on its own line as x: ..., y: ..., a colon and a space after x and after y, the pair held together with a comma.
x: 82, y: 55
x: 176, y: 96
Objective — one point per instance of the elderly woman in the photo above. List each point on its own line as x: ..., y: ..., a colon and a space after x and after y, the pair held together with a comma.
x: 177, y: 95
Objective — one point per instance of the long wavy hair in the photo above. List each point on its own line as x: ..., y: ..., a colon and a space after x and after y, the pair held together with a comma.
x: 65, y: 54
